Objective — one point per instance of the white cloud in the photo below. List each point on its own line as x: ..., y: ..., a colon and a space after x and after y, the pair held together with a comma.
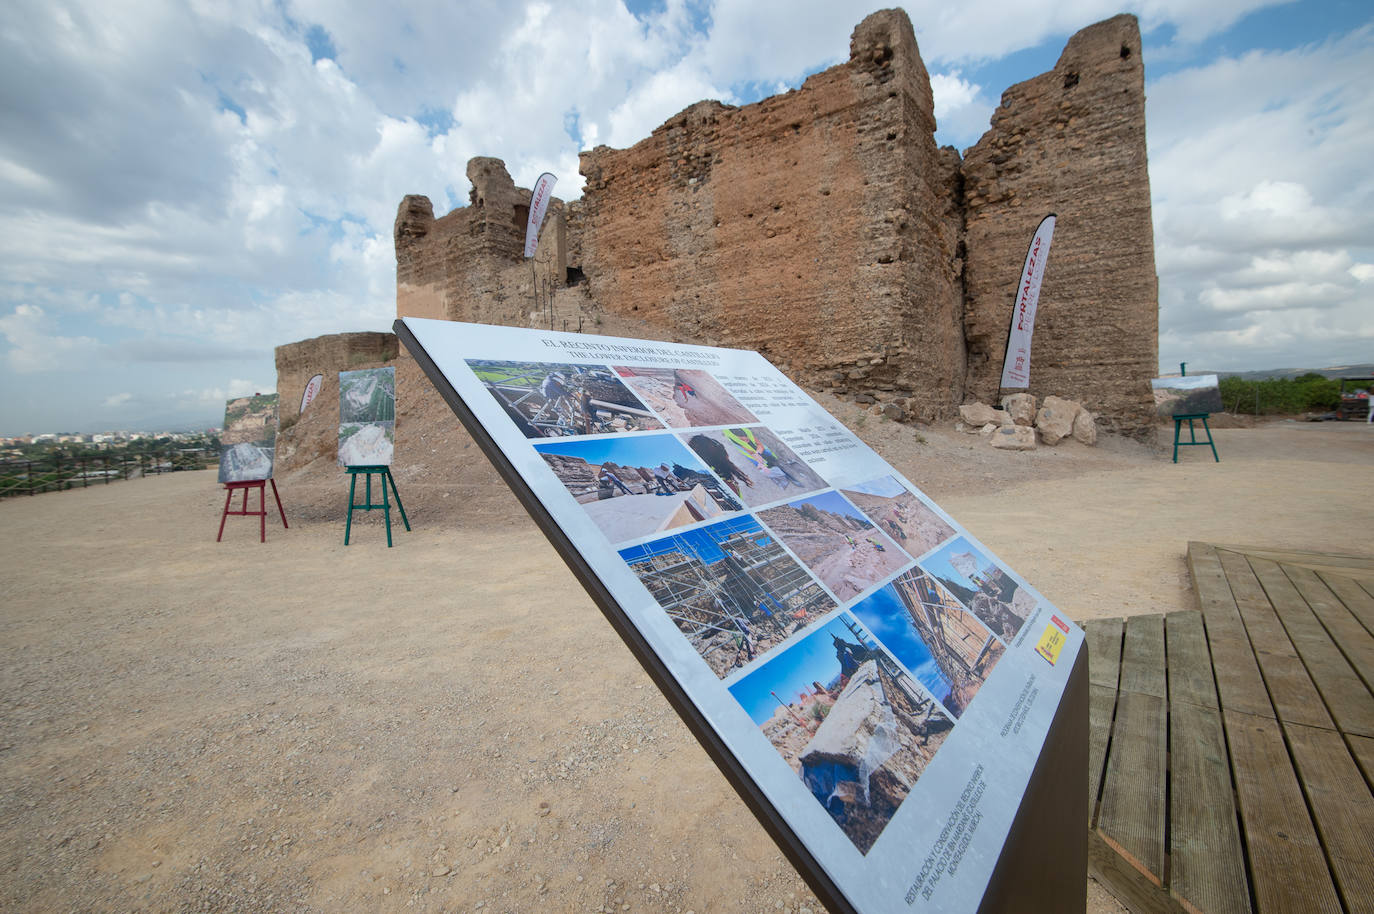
x: 36, y: 346
x: 114, y: 401
x: 1262, y: 206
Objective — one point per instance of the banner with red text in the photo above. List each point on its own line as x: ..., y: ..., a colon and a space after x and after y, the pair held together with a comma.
x: 539, y: 203
x: 1016, y: 362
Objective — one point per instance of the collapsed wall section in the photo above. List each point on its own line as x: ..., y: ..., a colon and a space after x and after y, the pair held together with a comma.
x: 813, y: 226
x: 1070, y: 141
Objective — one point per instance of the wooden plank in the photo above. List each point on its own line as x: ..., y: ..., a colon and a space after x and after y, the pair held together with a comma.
x: 1302, y: 557
x: 1132, y: 813
x: 1346, y: 696
x: 1190, y: 664
x: 1362, y: 748
x: 1104, y: 651
x: 1294, y: 695
x: 1206, y: 861
x: 1130, y: 886
x: 1355, y: 597
x: 1142, y: 656
x: 1345, y: 630
x: 1342, y: 808
x: 1288, y: 869
x: 1239, y: 684
x: 1101, y: 710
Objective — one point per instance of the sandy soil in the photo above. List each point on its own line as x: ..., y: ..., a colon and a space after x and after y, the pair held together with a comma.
x: 450, y: 725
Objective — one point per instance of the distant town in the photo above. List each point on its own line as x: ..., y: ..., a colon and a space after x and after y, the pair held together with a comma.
x: 27, y: 445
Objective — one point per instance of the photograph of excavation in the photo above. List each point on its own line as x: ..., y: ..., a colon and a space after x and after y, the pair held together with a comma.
x: 370, y: 444
x: 685, y: 397
x: 834, y: 540
x: 547, y: 400
x: 982, y: 585
x: 900, y: 514
x: 730, y: 588
x: 368, y: 395
x: 249, y: 438
x: 1186, y: 396
x: 755, y: 464
x: 944, y: 646
x: 637, y: 485
x: 857, y: 729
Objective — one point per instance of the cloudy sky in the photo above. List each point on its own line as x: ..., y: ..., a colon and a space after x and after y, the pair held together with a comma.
x: 184, y: 186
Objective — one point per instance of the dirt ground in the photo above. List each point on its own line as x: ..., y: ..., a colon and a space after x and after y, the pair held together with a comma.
x: 450, y: 725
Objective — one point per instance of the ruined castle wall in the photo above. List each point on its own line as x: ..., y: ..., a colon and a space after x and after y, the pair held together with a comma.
x: 813, y: 226
x: 469, y: 264
x: 1072, y: 142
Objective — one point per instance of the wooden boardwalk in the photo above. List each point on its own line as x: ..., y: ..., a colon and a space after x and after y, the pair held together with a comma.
x: 1232, y: 748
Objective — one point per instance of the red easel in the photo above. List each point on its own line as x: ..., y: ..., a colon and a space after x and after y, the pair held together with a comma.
x: 260, y: 485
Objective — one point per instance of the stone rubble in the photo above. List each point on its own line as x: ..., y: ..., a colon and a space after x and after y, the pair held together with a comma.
x: 1020, y: 425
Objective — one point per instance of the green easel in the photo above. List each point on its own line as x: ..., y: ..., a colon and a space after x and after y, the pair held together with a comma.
x: 1192, y: 429
x: 384, y: 479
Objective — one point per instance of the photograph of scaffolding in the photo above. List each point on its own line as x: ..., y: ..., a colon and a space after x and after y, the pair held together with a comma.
x: 855, y: 727
x: 834, y: 539
x: 900, y: 514
x: 730, y: 589
x: 547, y: 400
x: 636, y: 485
x: 755, y: 464
x: 981, y: 585
x: 249, y: 440
x: 685, y: 397
x: 941, y: 643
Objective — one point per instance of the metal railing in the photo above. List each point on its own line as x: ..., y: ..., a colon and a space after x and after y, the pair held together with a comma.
x: 57, y: 473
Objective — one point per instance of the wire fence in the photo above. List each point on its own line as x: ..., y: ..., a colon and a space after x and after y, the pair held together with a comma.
x: 57, y: 472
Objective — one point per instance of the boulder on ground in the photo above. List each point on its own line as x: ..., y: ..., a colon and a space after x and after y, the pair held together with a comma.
x: 1021, y: 408
x: 1014, y: 438
x: 894, y: 412
x: 1055, y: 419
x: 980, y: 414
x: 1085, y: 428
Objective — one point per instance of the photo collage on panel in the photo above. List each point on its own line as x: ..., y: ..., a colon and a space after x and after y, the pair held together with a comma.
x: 367, y: 417
x: 838, y: 618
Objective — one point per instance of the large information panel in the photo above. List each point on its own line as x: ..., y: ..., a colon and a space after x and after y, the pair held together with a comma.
x: 873, y: 680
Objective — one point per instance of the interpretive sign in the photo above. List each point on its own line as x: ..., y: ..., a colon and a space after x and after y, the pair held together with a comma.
x: 249, y: 439
x: 1189, y: 395
x: 875, y: 683
x: 367, y: 417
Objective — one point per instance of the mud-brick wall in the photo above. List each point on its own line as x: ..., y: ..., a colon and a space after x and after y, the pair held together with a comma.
x: 1072, y: 142
x: 814, y: 226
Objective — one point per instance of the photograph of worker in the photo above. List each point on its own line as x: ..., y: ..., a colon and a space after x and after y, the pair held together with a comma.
x: 900, y: 513
x: 637, y: 485
x: 982, y: 585
x: 547, y: 400
x: 930, y: 633
x: 685, y: 397
x: 755, y: 464
x: 730, y: 589
x: 856, y: 728
x: 834, y: 539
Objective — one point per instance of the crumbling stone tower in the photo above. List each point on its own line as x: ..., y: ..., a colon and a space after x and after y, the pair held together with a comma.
x: 824, y: 228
